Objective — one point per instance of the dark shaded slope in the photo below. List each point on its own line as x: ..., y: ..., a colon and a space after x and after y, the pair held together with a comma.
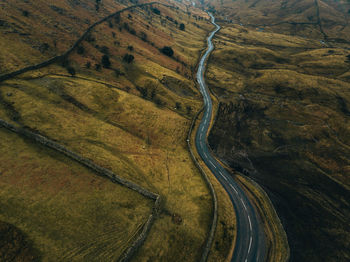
x: 14, y: 245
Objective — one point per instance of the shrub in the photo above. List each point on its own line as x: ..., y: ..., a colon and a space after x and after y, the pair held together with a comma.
x: 44, y: 47
x: 97, y: 67
x: 106, y: 63
x: 117, y: 18
x: 132, y: 31
x: 88, y: 65
x: 80, y: 50
x: 97, y: 5
x: 104, y: 50
x: 156, y: 11
x: 182, y: 27
x: 130, y: 48
x: 90, y: 38
x: 71, y: 70
x: 167, y: 50
x: 143, y: 36
x: 25, y: 13
x: 348, y: 57
x: 118, y: 73
x: 143, y: 91
x: 128, y: 58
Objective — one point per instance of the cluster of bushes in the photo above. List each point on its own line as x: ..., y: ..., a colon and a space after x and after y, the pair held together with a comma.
x: 128, y: 58
x: 150, y: 94
x: 348, y: 59
x: 156, y: 11
x: 167, y: 50
x: 97, y: 5
x: 129, y: 29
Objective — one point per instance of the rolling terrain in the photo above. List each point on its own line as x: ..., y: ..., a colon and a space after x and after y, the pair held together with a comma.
x: 124, y: 99
x: 283, y: 116
x: 326, y: 20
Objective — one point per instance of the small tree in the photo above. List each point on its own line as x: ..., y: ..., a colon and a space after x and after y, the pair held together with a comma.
x: 128, y: 58
x: 106, y: 63
x: 182, y: 27
x: 167, y: 50
x: 130, y: 48
x: 88, y: 65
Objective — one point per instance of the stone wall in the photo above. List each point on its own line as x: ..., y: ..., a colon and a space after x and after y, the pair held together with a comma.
x: 127, y: 255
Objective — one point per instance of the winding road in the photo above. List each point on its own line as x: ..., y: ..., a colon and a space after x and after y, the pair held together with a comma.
x: 250, y: 245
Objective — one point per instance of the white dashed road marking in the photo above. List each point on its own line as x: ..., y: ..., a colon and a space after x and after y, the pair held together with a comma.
x: 234, y: 189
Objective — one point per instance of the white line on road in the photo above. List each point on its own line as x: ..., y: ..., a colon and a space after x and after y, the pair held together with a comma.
x: 234, y: 189
x: 212, y: 164
x: 250, y: 244
x: 244, y: 205
x: 250, y: 223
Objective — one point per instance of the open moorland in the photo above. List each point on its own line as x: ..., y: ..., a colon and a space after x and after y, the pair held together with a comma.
x: 283, y: 120
x: 124, y: 98
x: 326, y: 20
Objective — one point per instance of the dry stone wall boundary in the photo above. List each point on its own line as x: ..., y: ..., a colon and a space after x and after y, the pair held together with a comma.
x: 126, y: 256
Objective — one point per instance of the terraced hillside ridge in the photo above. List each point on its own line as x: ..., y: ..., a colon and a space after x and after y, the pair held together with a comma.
x: 123, y: 99
x: 283, y: 120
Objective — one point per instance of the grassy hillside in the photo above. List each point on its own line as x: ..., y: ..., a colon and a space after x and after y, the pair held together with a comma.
x: 319, y: 19
x: 284, y: 121
x: 128, y: 115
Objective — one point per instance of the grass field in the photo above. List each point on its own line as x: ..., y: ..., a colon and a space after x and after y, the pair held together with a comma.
x: 67, y: 211
x: 131, y: 118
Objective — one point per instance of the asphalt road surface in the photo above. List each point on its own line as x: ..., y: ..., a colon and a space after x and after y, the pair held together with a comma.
x: 250, y: 245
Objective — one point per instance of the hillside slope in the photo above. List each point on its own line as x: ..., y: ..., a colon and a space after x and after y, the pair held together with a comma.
x: 283, y: 120
x: 318, y: 19
x: 122, y: 100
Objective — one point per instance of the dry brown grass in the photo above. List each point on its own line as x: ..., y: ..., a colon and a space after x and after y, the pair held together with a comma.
x: 67, y: 211
x: 284, y: 119
x: 102, y: 117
